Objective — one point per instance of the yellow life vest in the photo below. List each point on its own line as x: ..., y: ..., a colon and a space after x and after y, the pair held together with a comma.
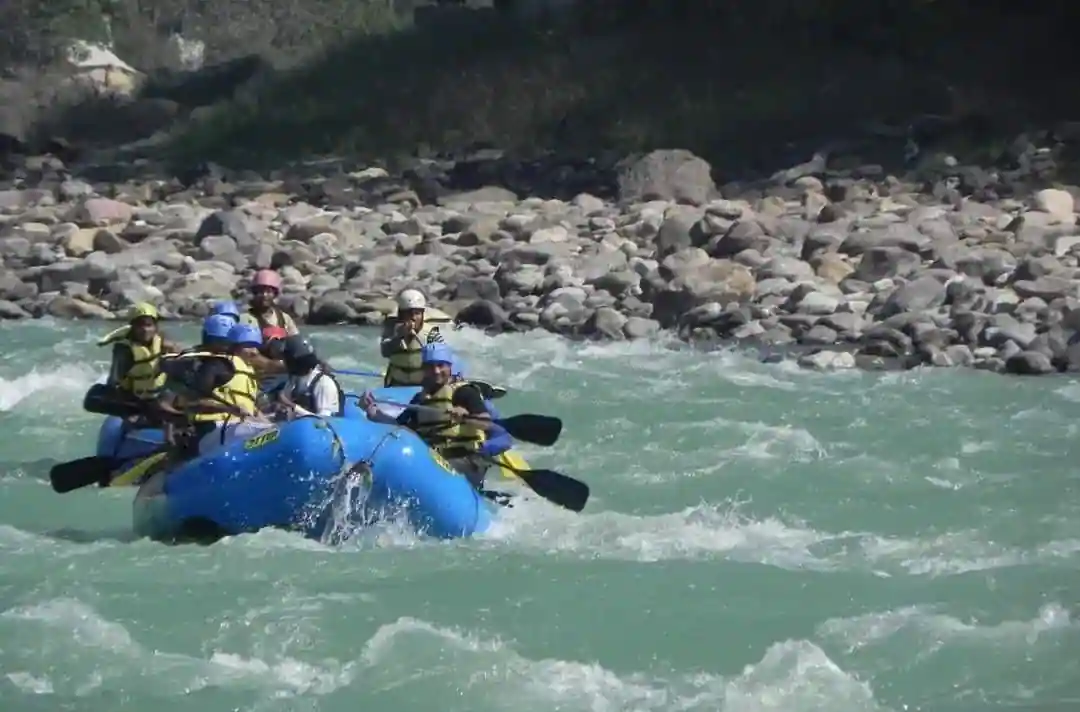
x: 145, y: 379
x: 406, y: 368
x: 241, y: 391
x: 438, y: 431
x: 276, y: 317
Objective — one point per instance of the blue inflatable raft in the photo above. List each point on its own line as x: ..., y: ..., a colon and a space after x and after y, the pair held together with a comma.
x: 302, y: 475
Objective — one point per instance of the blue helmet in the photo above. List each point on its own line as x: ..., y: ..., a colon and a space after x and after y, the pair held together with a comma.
x: 245, y: 335
x: 226, y: 309
x: 217, y: 326
x: 437, y: 353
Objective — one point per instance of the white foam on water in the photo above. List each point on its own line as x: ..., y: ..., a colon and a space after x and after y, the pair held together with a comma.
x: 98, y: 654
x: 765, y: 441
x: 660, y: 365
x: 712, y: 532
x: 935, y: 654
x: 1070, y: 392
x: 932, y: 630
x: 793, y: 676
x: 703, y: 531
x: 955, y: 553
x: 68, y: 382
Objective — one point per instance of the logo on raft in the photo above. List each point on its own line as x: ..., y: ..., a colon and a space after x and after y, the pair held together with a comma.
x: 262, y: 439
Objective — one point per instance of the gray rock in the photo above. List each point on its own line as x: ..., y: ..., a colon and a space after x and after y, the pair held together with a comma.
x: 815, y: 303
x: 637, y: 327
x: 1029, y: 363
x: 11, y: 310
x: 827, y: 360
x: 743, y: 235
x: 678, y: 230
x: 606, y: 323
x: 885, y: 261
x: 674, y: 175
x: 786, y: 268
x: 918, y: 295
x: 232, y: 224
x: 1047, y: 288
x: 818, y: 335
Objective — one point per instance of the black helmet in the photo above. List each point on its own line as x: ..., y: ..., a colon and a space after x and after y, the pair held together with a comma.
x: 299, y: 355
x: 297, y: 347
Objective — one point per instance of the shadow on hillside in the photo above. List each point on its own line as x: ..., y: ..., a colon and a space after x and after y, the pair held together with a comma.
x: 752, y: 98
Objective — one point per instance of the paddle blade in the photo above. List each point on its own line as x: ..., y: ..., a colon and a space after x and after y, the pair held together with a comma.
x: 141, y: 471
x: 101, y: 399
x: 536, y: 429
x: 76, y: 474
x: 557, y: 488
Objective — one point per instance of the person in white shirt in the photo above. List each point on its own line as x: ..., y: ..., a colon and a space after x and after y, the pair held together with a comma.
x: 311, y: 389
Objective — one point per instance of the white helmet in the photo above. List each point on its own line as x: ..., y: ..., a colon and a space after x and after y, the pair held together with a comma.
x: 411, y: 299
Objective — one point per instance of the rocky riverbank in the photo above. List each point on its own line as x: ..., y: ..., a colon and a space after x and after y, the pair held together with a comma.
x: 850, y: 267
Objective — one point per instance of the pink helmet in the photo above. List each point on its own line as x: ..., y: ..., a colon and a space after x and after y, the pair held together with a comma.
x: 267, y: 278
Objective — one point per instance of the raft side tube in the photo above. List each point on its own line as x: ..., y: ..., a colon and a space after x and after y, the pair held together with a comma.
x: 286, y: 477
x: 272, y: 479
x: 406, y: 474
x: 114, y: 442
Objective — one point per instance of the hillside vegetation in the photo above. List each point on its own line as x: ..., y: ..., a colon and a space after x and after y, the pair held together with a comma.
x: 749, y: 85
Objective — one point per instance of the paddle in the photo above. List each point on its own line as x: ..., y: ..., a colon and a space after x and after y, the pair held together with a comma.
x: 527, y: 427
x: 101, y: 399
x: 141, y: 470
x: 86, y: 471
x: 555, y: 487
x: 489, y: 391
x: 98, y: 469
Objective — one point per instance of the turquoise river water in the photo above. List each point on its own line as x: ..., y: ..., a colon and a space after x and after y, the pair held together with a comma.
x: 759, y: 538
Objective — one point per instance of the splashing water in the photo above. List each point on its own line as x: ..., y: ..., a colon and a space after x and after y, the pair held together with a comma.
x: 759, y: 538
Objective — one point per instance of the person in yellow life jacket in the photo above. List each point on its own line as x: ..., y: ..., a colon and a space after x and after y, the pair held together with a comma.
x: 221, y: 392
x: 136, y: 355
x: 262, y: 308
x: 453, y: 421
x: 403, y: 338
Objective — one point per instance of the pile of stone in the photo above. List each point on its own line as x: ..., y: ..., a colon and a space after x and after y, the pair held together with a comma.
x: 953, y: 267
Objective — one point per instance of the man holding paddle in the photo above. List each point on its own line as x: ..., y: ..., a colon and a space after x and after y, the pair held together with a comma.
x: 452, y: 419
